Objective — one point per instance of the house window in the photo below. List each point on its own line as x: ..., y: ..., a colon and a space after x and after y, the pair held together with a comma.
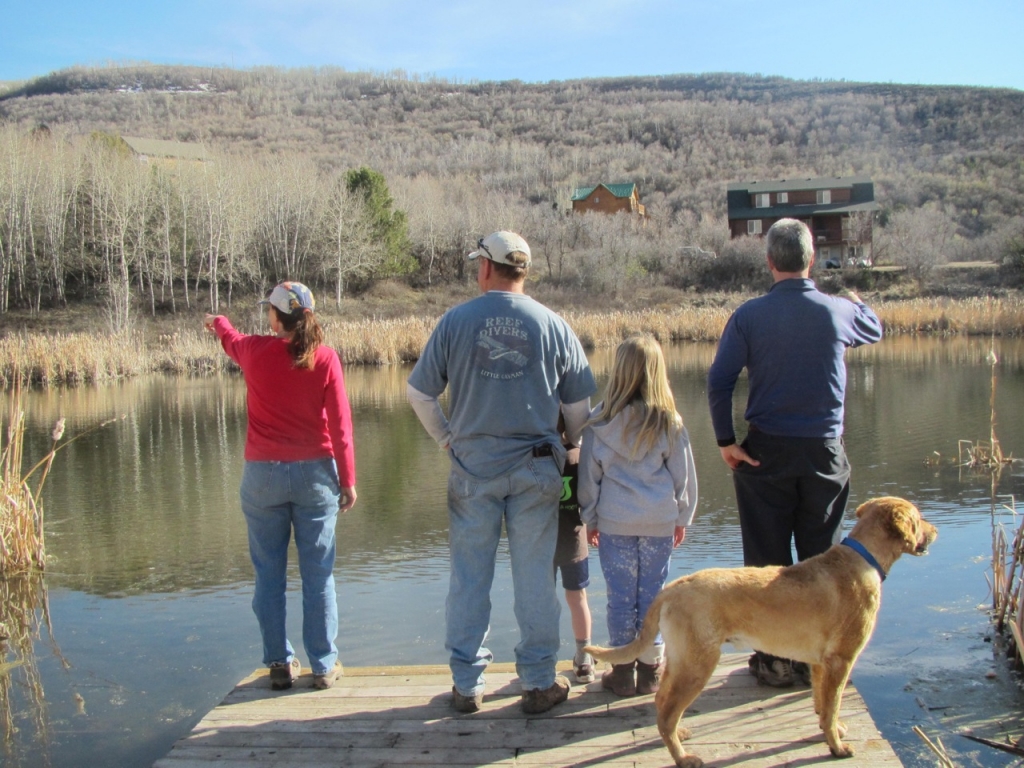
x: 753, y: 226
x: 597, y: 200
x: 782, y: 197
x: 824, y: 196
x: 762, y: 201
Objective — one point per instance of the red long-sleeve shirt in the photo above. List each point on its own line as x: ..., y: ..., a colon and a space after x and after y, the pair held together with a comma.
x: 295, y: 414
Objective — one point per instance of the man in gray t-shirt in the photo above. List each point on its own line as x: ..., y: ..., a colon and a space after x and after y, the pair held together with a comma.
x: 510, y: 365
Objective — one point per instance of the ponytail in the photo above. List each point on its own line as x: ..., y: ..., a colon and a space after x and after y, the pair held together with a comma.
x: 306, y: 336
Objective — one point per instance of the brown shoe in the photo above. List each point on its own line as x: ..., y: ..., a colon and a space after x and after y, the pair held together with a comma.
x: 619, y: 679
x: 648, y: 677
x: 283, y: 674
x: 326, y: 680
x: 537, y: 700
x: 466, y: 704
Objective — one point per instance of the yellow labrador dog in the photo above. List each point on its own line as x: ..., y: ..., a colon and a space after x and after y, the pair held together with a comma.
x: 820, y: 611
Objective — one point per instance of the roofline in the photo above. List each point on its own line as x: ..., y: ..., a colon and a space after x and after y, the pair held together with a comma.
x: 801, y: 211
x: 789, y: 185
x: 632, y: 185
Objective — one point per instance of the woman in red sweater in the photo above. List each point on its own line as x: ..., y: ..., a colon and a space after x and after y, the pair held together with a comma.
x: 299, y: 474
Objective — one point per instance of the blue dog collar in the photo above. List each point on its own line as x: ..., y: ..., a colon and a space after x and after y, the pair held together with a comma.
x: 861, y: 550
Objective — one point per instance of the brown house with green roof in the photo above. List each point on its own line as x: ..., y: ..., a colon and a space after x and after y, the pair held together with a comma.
x: 607, y: 198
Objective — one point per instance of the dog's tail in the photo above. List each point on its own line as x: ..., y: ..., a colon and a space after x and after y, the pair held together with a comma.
x: 627, y: 653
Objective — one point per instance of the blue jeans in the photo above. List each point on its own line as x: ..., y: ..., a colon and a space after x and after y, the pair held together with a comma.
x: 635, y: 569
x: 526, y: 499
x: 278, y: 497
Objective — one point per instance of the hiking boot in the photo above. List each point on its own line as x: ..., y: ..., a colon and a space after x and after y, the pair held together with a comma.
x: 619, y: 679
x: 326, y: 680
x: 536, y: 700
x: 583, y: 668
x: 801, y: 672
x: 648, y: 676
x: 466, y: 704
x: 771, y: 670
x: 284, y: 673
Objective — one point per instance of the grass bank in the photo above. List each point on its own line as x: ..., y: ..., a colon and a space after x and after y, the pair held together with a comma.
x: 46, y: 357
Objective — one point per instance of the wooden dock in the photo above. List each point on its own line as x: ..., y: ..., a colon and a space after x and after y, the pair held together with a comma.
x: 401, y: 716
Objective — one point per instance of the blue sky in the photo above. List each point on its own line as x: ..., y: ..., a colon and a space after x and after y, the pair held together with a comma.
x: 902, y: 41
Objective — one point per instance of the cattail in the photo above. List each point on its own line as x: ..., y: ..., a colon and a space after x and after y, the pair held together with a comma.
x: 58, y: 430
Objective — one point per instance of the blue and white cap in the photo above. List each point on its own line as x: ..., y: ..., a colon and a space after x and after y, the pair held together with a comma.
x: 291, y: 298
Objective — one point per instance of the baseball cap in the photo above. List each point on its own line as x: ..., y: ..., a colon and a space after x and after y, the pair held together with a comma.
x: 499, y: 245
x: 291, y: 297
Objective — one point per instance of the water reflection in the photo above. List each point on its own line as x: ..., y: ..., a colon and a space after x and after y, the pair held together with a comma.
x: 150, y: 505
x: 151, y: 580
x: 24, y: 620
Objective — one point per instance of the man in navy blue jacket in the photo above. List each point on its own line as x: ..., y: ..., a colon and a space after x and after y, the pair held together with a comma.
x: 791, y: 473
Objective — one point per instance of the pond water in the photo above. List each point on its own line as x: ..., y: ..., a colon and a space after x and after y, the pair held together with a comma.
x: 148, y: 593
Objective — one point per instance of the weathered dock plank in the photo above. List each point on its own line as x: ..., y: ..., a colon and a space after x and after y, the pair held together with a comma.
x: 400, y: 716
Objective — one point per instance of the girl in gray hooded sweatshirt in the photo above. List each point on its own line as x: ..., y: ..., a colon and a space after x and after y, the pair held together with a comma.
x: 638, y: 493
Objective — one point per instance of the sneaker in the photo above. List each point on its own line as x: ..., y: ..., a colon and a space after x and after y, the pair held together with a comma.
x: 536, y: 700
x: 326, y: 680
x: 583, y: 668
x: 771, y: 670
x: 802, y: 672
x: 466, y: 704
x: 284, y: 673
x: 648, y: 678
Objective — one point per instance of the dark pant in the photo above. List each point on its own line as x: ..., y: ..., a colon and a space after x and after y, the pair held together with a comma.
x: 797, y: 494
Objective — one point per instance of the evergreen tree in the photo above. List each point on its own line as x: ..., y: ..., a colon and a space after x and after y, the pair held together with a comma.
x: 389, y: 226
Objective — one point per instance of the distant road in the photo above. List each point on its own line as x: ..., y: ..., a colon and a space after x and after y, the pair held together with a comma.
x: 950, y: 265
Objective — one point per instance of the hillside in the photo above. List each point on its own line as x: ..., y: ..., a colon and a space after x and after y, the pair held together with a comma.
x: 464, y: 158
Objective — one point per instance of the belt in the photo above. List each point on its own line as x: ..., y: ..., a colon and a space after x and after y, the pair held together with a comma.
x: 543, y: 450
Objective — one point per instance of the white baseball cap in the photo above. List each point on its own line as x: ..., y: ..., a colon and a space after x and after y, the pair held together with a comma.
x: 499, y: 246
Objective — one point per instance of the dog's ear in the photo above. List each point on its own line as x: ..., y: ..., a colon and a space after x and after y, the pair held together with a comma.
x: 902, y: 524
x: 863, y: 508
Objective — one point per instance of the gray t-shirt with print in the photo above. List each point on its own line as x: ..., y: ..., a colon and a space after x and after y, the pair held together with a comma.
x: 508, y: 363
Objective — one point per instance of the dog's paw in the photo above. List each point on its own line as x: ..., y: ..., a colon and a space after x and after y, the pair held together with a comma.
x: 683, y: 733
x: 843, y: 750
x: 841, y: 728
x: 690, y: 761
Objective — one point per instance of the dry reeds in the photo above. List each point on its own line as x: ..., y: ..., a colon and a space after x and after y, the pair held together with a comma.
x: 21, y: 516
x: 77, y: 358
x: 936, y: 747
x: 1007, y: 585
x: 607, y: 329
x: 73, y: 358
x: 943, y: 316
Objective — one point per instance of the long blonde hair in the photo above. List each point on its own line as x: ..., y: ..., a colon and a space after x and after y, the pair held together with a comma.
x: 639, y: 378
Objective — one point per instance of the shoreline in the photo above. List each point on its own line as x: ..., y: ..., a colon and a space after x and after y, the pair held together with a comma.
x: 179, y: 346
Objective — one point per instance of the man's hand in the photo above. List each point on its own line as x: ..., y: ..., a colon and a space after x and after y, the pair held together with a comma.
x: 733, y: 455
x: 846, y: 293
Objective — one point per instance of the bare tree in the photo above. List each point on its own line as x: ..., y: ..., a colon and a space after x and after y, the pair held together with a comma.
x: 348, y: 247
x: 917, y: 239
